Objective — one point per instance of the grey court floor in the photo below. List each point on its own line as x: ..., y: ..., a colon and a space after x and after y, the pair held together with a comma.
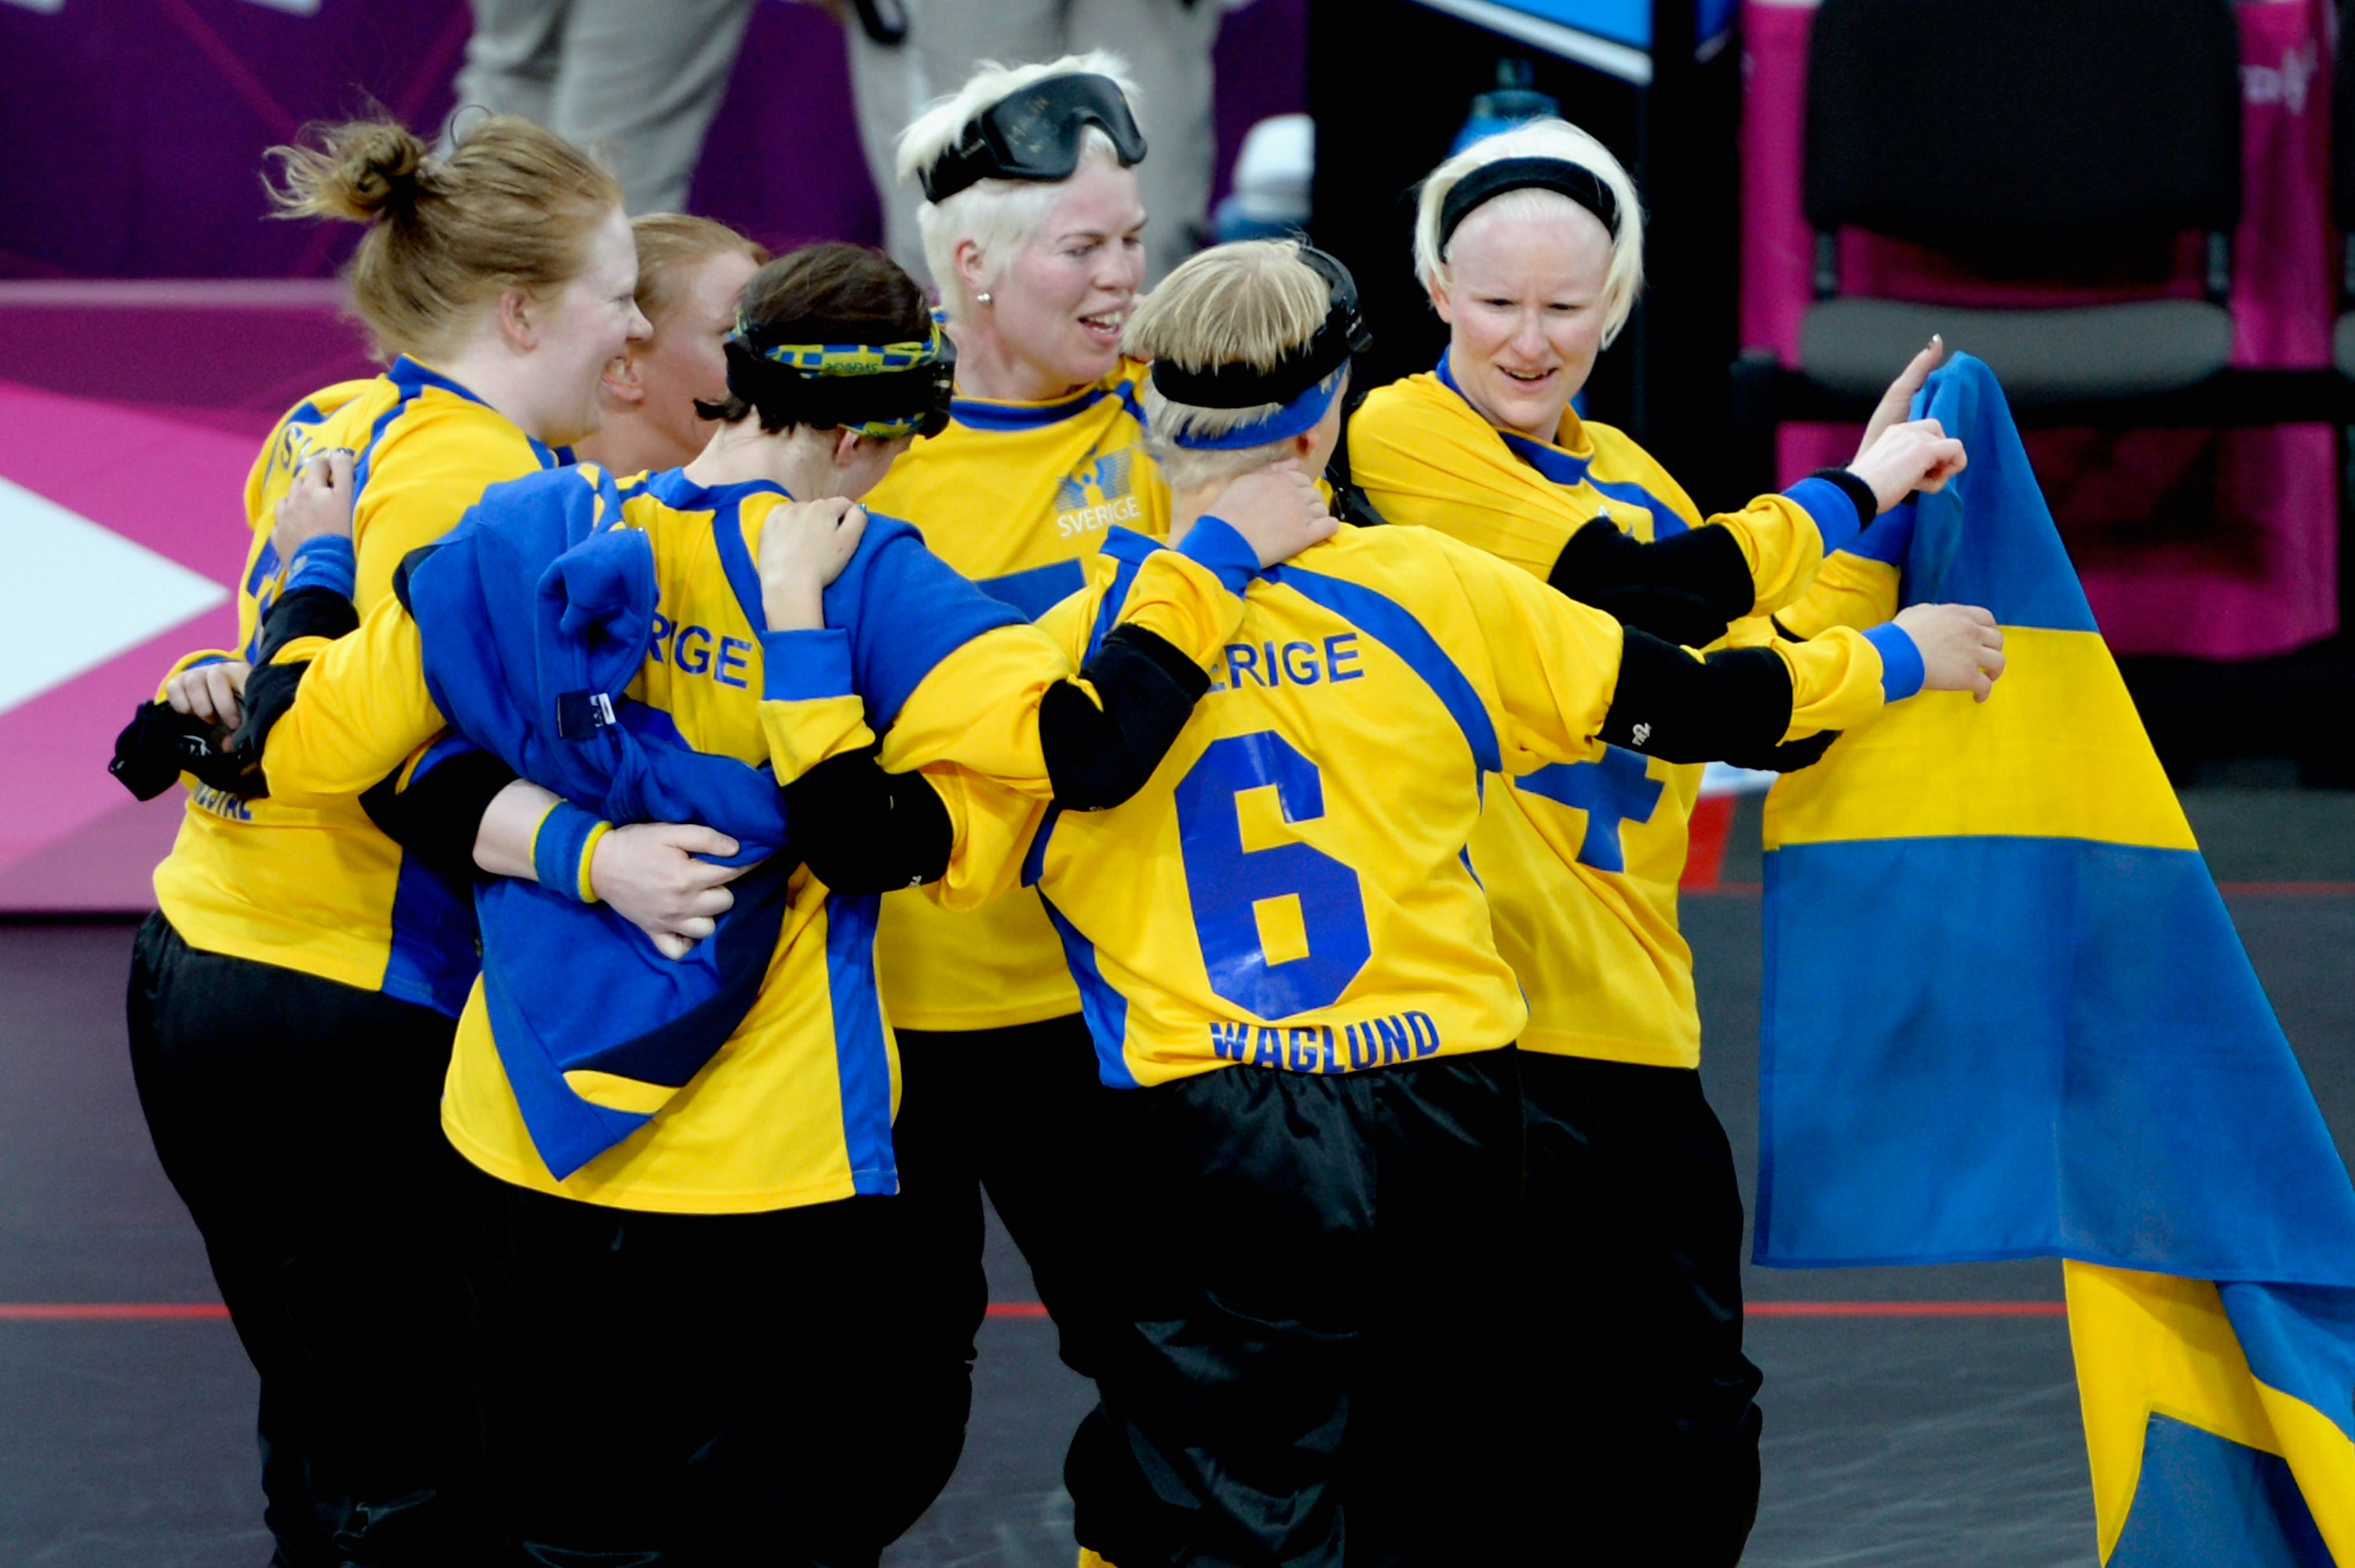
x: 1925, y: 1442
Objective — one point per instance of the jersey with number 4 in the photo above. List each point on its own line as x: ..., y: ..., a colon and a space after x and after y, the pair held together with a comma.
x: 1291, y: 890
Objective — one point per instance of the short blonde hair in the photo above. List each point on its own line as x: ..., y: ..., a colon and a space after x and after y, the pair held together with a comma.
x: 998, y: 215
x: 1546, y: 138
x: 670, y: 242
x: 510, y: 206
x: 1250, y: 303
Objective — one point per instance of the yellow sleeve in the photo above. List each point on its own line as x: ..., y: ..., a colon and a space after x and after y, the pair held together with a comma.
x: 1780, y: 536
x: 1835, y: 681
x: 992, y: 828
x: 978, y: 709
x: 1782, y: 544
x: 808, y: 710
x: 360, y: 711
x: 1554, y: 669
x: 422, y: 476
x: 1184, y: 603
x: 1850, y: 590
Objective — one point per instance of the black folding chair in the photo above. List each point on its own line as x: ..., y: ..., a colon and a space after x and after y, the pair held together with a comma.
x: 2028, y: 140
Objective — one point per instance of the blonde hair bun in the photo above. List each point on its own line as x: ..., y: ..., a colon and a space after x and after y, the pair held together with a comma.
x: 360, y: 169
x: 509, y: 206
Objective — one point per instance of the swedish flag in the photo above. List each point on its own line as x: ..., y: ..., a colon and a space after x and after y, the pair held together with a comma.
x: 2006, y: 1015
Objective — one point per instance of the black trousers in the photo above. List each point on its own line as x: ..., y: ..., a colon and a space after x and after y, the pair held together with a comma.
x: 298, y: 1118
x: 1018, y: 1112
x: 1316, y: 1361
x: 1642, y: 1433
x: 703, y: 1390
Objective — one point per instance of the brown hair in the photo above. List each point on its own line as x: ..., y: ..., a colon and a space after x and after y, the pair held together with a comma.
x: 670, y: 240
x: 830, y: 292
x: 510, y: 206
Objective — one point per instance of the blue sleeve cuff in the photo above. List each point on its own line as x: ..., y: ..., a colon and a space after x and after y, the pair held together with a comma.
x: 559, y: 845
x: 797, y: 665
x: 1901, y: 671
x: 325, y: 562
x: 1212, y: 542
x: 1889, y: 539
x: 1833, y: 509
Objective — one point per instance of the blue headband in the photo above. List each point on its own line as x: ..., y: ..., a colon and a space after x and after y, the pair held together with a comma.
x: 1301, y: 414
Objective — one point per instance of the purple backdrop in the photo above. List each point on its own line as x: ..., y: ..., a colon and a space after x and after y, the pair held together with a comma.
x: 132, y: 129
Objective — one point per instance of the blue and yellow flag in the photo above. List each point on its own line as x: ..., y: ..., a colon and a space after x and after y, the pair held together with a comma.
x: 2006, y: 1015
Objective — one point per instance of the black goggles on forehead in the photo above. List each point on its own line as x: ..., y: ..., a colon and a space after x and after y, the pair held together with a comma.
x: 1342, y: 336
x: 1034, y: 133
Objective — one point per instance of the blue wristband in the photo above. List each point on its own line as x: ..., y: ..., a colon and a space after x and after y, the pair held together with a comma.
x: 560, y: 850
x: 796, y: 665
x: 1212, y: 542
x: 1834, y: 507
x: 325, y: 562
x: 1901, y: 671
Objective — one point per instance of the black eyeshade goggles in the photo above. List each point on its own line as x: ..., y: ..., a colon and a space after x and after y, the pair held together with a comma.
x: 1035, y: 134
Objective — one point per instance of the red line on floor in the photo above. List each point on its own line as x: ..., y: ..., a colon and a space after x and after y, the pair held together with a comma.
x: 1018, y: 1308
x: 2229, y: 889
x: 1905, y: 1310
x: 23, y: 1311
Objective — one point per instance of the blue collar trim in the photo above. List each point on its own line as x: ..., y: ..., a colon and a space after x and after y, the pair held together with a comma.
x: 982, y: 414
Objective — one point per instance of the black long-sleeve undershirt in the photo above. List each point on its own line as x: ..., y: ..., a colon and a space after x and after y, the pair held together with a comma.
x: 859, y: 828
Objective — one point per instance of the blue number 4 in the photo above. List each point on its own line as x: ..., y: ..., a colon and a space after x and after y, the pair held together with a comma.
x: 1619, y: 789
x: 1239, y: 892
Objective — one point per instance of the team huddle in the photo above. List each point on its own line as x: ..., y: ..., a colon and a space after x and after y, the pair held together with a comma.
x: 728, y: 764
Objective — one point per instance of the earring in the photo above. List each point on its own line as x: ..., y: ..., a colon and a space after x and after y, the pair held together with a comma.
x: 982, y: 298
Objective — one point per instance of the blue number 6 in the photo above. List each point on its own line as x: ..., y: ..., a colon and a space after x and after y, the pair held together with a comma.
x: 1227, y: 880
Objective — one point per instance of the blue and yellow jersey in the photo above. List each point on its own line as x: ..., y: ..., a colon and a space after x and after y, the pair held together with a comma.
x: 1583, y: 858
x: 1292, y: 889
x: 317, y: 887
x: 1016, y: 496
x: 795, y: 1108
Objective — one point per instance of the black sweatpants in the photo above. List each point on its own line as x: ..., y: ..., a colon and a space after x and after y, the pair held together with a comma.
x: 1018, y: 1112
x: 1643, y: 1431
x: 299, y: 1120
x: 703, y: 1390
x: 1317, y: 1360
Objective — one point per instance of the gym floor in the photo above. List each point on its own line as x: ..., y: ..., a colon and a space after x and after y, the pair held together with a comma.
x: 1892, y: 1437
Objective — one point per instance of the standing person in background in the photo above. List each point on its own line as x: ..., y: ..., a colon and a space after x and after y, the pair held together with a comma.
x: 291, y: 1004
x: 1040, y: 264
x: 691, y: 273
x: 903, y: 53
x: 1644, y: 1445
x: 637, y: 83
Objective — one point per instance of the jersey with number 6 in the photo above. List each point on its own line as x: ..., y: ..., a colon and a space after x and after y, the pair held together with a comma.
x: 1291, y: 890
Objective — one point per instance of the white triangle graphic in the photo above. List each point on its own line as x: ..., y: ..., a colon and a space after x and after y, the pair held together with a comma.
x: 74, y: 595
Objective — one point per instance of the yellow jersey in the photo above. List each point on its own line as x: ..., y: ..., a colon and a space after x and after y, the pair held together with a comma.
x: 318, y: 888
x: 796, y: 1106
x: 1583, y: 859
x: 1292, y: 890
x: 1016, y: 496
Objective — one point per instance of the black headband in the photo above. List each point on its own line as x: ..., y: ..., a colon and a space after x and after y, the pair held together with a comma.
x: 1342, y: 333
x: 1489, y: 181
